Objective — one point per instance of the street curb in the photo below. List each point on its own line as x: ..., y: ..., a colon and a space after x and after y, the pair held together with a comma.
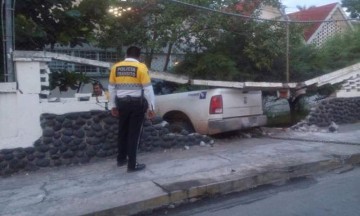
x: 236, y: 182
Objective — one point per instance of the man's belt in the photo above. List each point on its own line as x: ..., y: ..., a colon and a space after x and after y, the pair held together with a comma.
x: 130, y: 99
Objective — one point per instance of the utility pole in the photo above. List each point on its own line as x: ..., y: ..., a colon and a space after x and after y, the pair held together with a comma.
x: 9, y: 44
x: 287, y: 51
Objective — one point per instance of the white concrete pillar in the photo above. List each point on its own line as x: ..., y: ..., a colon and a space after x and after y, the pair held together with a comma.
x: 28, y: 77
x: 8, y: 111
x: 20, y: 109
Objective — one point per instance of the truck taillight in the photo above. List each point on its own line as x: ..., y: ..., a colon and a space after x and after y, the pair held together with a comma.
x: 216, y: 105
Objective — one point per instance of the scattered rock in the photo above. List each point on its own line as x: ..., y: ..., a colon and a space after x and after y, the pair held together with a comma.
x: 247, y: 135
x: 333, y: 127
x: 211, y: 143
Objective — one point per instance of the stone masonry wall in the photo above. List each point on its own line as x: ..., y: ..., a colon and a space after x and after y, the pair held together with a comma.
x: 328, y: 112
x: 83, y: 137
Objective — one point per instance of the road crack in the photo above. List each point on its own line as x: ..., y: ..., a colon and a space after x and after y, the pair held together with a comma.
x: 46, y: 192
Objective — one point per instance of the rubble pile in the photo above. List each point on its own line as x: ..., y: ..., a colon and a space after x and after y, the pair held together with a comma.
x: 329, y: 113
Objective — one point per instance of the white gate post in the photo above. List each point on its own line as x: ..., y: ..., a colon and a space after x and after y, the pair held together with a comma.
x: 22, y: 107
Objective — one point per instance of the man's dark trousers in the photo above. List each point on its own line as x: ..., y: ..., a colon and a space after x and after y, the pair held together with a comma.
x: 131, y: 118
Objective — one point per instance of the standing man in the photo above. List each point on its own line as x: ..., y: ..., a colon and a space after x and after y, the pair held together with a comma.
x: 131, y: 96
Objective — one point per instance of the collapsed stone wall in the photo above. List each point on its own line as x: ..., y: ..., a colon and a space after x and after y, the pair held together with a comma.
x: 330, y: 112
x: 83, y: 137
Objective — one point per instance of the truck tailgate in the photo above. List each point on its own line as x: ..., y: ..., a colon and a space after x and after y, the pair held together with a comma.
x: 237, y: 103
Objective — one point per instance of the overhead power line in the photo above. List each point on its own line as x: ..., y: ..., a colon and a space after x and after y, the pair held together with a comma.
x: 257, y: 18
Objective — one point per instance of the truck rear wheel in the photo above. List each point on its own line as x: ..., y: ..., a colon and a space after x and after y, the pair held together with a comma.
x: 178, y: 126
x: 178, y: 121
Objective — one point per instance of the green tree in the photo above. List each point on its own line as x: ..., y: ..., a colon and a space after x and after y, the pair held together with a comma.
x: 45, y: 22
x: 157, y: 26
x: 64, y: 80
x: 309, y: 61
x: 135, y: 27
x: 257, y: 50
x: 41, y: 23
x: 306, y: 63
x: 218, y: 66
x: 304, y: 8
x: 353, y: 6
x: 341, y: 51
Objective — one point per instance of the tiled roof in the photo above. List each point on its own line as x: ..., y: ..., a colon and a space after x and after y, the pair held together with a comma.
x: 315, y: 13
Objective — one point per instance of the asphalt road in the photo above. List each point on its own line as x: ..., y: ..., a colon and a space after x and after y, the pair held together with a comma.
x: 330, y: 195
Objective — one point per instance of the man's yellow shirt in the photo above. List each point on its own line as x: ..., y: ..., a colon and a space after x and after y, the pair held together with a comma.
x: 129, y: 75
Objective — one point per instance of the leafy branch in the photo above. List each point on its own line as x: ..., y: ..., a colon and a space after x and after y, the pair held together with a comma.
x: 65, y: 79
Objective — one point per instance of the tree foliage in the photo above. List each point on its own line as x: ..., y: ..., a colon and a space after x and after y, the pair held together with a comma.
x: 342, y: 50
x: 255, y: 50
x: 217, y: 66
x: 157, y: 26
x: 305, y: 63
x: 304, y: 7
x: 46, y: 22
x: 338, y: 52
x: 64, y: 80
x: 217, y: 46
x: 353, y: 6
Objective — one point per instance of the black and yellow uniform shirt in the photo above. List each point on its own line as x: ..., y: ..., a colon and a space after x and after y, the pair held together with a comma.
x: 129, y: 78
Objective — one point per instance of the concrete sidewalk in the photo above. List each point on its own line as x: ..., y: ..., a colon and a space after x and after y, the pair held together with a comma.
x: 177, y: 175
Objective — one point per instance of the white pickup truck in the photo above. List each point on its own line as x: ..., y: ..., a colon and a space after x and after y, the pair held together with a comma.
x: 212, y: 111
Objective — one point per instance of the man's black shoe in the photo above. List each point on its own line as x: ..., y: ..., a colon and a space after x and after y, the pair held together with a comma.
x: 121, y: 163
x: 137, y: 167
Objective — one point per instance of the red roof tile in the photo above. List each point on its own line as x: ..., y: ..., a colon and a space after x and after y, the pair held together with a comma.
x: 315, y: 13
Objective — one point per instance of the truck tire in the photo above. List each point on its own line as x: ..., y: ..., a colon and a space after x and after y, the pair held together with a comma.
x: 178, y: 122
x: 179, y: 126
